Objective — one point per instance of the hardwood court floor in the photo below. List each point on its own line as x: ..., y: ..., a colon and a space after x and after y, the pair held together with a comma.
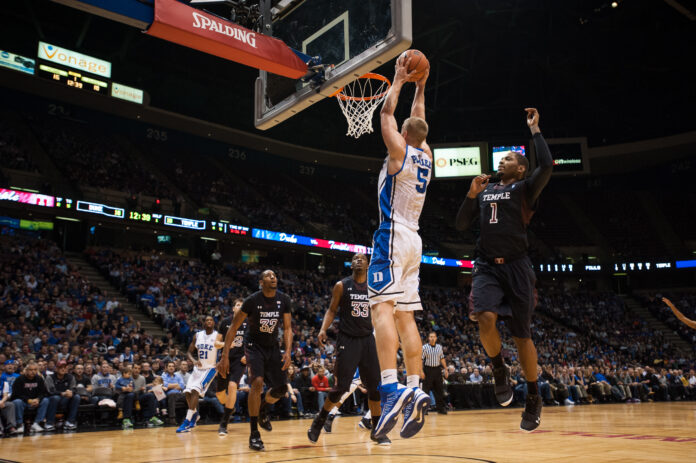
x: 663, y: 432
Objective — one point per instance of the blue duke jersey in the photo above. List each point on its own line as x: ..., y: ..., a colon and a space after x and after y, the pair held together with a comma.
x: 265, y: 315
x: 354, y: 309
x: 237, y: 349
x: 207, y: 352
x: 401, y: 195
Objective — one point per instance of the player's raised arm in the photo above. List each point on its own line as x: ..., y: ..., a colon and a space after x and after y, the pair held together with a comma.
x: 418, y: 106
x: 542, y: 174
x: 331, y: 312
x: 688, y: 322
x: 224, y: 364
x: 396, y: 145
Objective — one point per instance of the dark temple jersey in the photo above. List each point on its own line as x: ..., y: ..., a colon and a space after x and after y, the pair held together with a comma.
x: 504, y: 211
x: 237, y: 349
x: 354, y: 309
x: 264, y: 315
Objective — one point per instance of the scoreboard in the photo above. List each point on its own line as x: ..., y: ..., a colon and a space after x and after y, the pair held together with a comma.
x: 73, y: 79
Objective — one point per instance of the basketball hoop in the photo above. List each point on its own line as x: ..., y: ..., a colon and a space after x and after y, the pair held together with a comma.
x: 359, y: 99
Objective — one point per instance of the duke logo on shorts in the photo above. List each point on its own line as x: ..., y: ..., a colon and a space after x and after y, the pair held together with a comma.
x: 208, y: 356
x: 393, y: 274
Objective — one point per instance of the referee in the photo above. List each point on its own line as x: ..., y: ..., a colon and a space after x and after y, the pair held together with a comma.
x: 434, y: 362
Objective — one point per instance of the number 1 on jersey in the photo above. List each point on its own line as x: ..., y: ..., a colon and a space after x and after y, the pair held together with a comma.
x: 494, y: 213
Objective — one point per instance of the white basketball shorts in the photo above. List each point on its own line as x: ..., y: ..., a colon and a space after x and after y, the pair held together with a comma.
x: 200, y: 380
x: 393, y: 274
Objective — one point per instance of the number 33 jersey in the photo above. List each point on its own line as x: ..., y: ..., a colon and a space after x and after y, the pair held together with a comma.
x: 354, y: 309
x: 265, y: 314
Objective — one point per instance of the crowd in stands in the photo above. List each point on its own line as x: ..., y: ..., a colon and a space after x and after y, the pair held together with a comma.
x: 75, y: 350
x: 88, y: 156
x: 13, y: 153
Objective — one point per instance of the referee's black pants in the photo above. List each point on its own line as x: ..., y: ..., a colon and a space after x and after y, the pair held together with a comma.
x: 433, y: 382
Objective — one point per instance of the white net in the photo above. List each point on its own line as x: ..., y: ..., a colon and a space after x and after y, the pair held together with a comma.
x: 358, y: 101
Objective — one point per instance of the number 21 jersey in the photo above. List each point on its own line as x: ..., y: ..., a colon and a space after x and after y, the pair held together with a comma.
x: 265, y: 314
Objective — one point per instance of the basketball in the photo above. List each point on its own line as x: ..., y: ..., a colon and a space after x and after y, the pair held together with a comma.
x: 419, y: 63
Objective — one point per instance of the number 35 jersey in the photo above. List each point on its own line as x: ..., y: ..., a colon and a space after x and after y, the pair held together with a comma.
x: 264, y: 316
x: 354, y: 309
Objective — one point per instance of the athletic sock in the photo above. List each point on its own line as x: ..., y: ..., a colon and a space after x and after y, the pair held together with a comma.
x: 532, y: 388
x: 368, y: 415
x: 412, y: 381
x: 189, y: 414
x: 254, y: 423
x: 226, y: 416
x: 375, y: 420
x: 389, y: 380
x: 498, y: 361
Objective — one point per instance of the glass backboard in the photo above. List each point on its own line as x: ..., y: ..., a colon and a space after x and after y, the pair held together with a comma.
x: 356, y: 36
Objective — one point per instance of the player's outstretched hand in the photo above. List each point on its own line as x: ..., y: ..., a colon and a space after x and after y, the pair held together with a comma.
x: 533, y: 119
x: 478, y: 184
x: 286, y: 360
x: 401, y: 74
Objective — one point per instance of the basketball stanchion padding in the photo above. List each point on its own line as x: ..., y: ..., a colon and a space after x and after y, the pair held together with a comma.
x: 359, y: 99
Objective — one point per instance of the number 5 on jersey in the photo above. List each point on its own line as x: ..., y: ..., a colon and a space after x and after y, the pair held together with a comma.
x: 423, y: 179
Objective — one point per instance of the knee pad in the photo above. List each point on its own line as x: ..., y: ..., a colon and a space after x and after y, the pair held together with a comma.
x: 278, y: 392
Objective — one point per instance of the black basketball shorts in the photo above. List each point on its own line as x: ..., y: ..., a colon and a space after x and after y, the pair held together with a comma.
x: 351, y: 353
x: 267, y: 363
x: 237, y: 369
x: 506, y: 289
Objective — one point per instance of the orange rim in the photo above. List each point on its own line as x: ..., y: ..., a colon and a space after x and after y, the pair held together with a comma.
x: 370, y: 75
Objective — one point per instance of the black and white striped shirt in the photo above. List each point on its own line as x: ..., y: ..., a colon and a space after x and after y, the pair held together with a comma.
x: 432, y: 355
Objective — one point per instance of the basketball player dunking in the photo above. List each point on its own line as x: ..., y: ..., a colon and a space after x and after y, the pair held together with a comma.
x: 355, y: 346
x: 266, y: 309
x: 393, y: 274
x: 503, y: 279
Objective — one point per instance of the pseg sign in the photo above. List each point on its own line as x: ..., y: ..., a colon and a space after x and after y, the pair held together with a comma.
x: 463, y: 161
x: 74, y: 60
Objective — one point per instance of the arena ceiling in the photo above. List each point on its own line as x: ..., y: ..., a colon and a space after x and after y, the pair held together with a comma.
x: 613, y: 74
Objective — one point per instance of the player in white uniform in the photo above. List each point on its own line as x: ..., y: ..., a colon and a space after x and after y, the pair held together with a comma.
x: 208, y: 344
x: 393, y: 274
